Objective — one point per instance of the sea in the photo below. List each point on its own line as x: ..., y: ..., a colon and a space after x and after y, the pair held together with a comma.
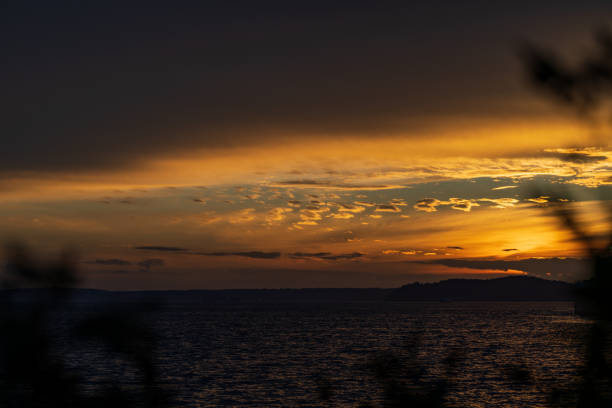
x: 312, y: 354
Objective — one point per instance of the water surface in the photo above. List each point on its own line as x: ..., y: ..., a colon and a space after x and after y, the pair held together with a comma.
x: 273, y: 355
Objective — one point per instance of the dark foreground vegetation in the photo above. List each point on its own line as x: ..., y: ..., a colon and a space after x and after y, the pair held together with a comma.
x: 33, y: 374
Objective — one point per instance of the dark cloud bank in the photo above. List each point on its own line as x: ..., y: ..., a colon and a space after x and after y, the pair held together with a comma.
x: 96, y: 85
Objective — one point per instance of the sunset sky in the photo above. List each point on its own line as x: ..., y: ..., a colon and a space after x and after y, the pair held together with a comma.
x: 185, y: 145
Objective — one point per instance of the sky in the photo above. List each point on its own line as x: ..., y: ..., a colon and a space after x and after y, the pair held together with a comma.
x: 189, y: 145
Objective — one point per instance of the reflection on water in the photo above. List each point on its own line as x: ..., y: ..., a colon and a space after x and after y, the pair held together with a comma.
x: 293, y: 354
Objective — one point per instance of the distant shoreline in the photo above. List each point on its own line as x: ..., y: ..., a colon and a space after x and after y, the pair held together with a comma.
x: 510, y: 289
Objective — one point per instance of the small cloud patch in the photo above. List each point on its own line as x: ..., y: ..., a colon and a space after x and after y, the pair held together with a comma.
x: 462, y: 205
x: 276, y: 215
x: 112, y: 261
x: 431, y: 204
x: 325, y: 256
x: 539, y: 200
x: 147, y: 264
x: 504, y: 202
x: 249, y: 254
x: 364, y: 204
x: 160, y: 248
x: 579, y: 158
x: 242, y: 216
x: 387, y: 208
x: 427, y: 205
x: 342, y: 216
x: 350, y: 208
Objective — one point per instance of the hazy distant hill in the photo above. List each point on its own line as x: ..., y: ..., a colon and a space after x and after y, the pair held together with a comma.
x: 227, y: 296
x: 501, y: 289
x: 514, y: 288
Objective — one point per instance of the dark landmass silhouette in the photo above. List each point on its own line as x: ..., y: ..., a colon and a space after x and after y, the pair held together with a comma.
x: 515, y: 288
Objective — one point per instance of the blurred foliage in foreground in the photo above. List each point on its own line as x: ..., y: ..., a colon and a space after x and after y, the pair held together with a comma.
x: 585, y: 87
x: 34, y: 374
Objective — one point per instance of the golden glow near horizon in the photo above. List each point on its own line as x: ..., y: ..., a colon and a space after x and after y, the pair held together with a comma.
x: 457, y: 151
x: 386, y: 210
x: 205, y: 146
